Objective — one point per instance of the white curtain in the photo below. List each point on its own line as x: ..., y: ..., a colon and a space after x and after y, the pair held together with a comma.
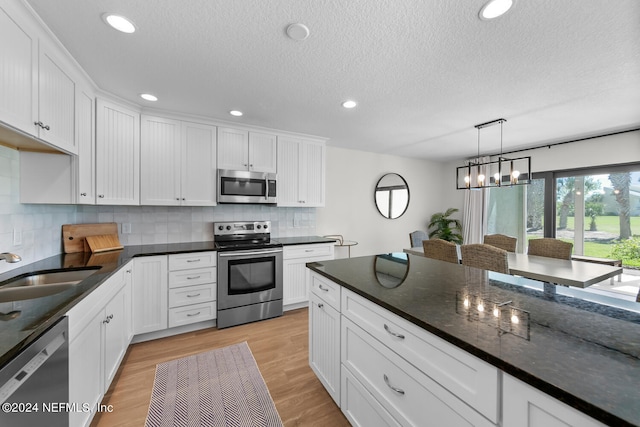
x: 474, y: 215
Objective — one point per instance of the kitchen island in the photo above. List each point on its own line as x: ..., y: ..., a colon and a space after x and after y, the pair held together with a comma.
x: 583, y: 357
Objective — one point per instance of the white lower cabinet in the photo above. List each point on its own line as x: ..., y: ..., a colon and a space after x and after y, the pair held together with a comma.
x: 99, y: 335
x: 410, y: 396
x: 359, y: 406
x: 150, y: 296
x: 324, y: 344
x: 192, y: 291
x: 525, y: 406
x: 296, y: 276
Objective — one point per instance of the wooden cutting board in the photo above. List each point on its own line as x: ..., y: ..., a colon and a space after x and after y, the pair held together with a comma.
x: 103, y: 243
x: 74, y: 235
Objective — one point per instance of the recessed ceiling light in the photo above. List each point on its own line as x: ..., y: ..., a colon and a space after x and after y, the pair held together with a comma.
x: 298, y: 31
x: 349, y: 104
x: 495, y: 8
x: 120, y: 23
x: 148, y: 97
x: 235, y: 113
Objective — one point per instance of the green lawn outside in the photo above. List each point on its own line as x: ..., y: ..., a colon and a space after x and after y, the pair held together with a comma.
x: 607, y: 224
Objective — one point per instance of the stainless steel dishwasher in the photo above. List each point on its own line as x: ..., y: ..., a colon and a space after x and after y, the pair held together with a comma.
x: 34, y: 386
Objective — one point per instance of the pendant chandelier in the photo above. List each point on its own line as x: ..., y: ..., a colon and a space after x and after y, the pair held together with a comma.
x: 503, y: 172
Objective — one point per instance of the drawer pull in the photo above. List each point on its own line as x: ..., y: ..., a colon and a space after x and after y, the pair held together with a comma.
x: 192, y: 277
x: 396, y: 389
x: 193, y: 260
x: 193, y: 314
x: 193, y: 295
x: 395, y: 334
x: 323, y: 289
x: 308, y: 250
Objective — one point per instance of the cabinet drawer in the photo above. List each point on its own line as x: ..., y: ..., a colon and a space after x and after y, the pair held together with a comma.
x: 308, y: 251
x: 326, y: 289
x: 471, y: 379
x: 196, y: 276
x: 409, y: 395
x: 192, y: 295
x: 192, y: 260
x: 360, y: 407
x: 191, y: 314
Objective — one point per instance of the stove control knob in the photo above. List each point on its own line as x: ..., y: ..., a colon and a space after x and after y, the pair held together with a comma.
x: 266, y: 226
x: 259, y: 226
x: 220, y: 227
x: 228, y: 227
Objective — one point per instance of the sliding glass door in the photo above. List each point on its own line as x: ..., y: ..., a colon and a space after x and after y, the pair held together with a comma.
x: 598, y: 212
x: 597, y: 209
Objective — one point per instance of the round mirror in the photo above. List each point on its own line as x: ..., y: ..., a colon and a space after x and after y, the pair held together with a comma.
x: 392, y: 196
x: 391, y: 269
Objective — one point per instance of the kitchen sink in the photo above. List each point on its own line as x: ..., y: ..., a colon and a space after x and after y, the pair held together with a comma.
x: 42, y: 284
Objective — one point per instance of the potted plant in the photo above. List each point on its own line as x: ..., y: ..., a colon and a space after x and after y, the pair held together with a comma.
x: 446, y: 228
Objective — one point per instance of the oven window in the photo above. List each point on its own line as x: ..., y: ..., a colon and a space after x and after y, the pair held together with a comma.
x: 252, y: 275
x: 242, y: 187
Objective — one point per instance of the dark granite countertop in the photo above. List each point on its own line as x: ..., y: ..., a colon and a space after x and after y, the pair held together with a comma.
x: 583, y: 353
x: 304, y: 240
x: 38, y: 314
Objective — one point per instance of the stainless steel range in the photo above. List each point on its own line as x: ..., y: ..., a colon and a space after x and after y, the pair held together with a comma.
x: 249, y: 272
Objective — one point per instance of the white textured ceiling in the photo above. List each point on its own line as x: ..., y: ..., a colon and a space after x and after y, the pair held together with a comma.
x: 424, y: 72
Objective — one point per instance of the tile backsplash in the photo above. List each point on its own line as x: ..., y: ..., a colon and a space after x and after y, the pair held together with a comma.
x: 35, y: 231
x: 167, y: 224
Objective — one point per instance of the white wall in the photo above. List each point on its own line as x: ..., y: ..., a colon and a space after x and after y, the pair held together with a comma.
x: 350, y: 209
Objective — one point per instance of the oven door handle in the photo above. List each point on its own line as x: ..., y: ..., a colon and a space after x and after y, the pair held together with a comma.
x: 259, y: 252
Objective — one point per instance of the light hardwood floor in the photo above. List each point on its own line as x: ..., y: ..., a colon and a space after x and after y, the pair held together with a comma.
x: 280, y: 347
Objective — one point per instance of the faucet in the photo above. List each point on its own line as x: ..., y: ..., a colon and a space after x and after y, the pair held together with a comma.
x: 9, y: 257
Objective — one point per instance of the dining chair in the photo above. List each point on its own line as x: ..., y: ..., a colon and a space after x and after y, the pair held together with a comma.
x: 551, y: 248
x: 501, y: 241
x: 416, y: 238
x: 441, y: 250
x: 485, y: 256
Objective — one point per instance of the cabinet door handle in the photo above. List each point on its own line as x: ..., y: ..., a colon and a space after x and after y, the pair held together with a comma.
x: 83, y: 194
x: 192, y: 295
x: 106, y: 320
x: 42, y: 125
x: 395, y: 334
x: 193, y: 314
x: 396, y: 389
x: 320, y: 305
x: 323, y: 289
x: 192, y: 277
x: 101, y: 196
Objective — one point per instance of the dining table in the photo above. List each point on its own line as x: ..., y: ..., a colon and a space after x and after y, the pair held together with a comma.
x: 552, y: 270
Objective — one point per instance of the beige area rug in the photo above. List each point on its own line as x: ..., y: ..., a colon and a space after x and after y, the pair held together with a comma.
x: 222, y: 387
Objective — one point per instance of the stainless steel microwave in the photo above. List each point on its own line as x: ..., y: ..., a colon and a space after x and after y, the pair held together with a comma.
x: 246, y: 187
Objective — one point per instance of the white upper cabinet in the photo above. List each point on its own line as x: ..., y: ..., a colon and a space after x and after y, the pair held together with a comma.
x: 262, y: 152
x: 86, y: 139
x: 243, y: 150
x: 117, y: 154
x: 198, y: 183
x: 56, y: 102
x: 177, y: 163
x: 159, y: 161
x: 301, y: 172
x: 18, y: 84
x: 37, y: 91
